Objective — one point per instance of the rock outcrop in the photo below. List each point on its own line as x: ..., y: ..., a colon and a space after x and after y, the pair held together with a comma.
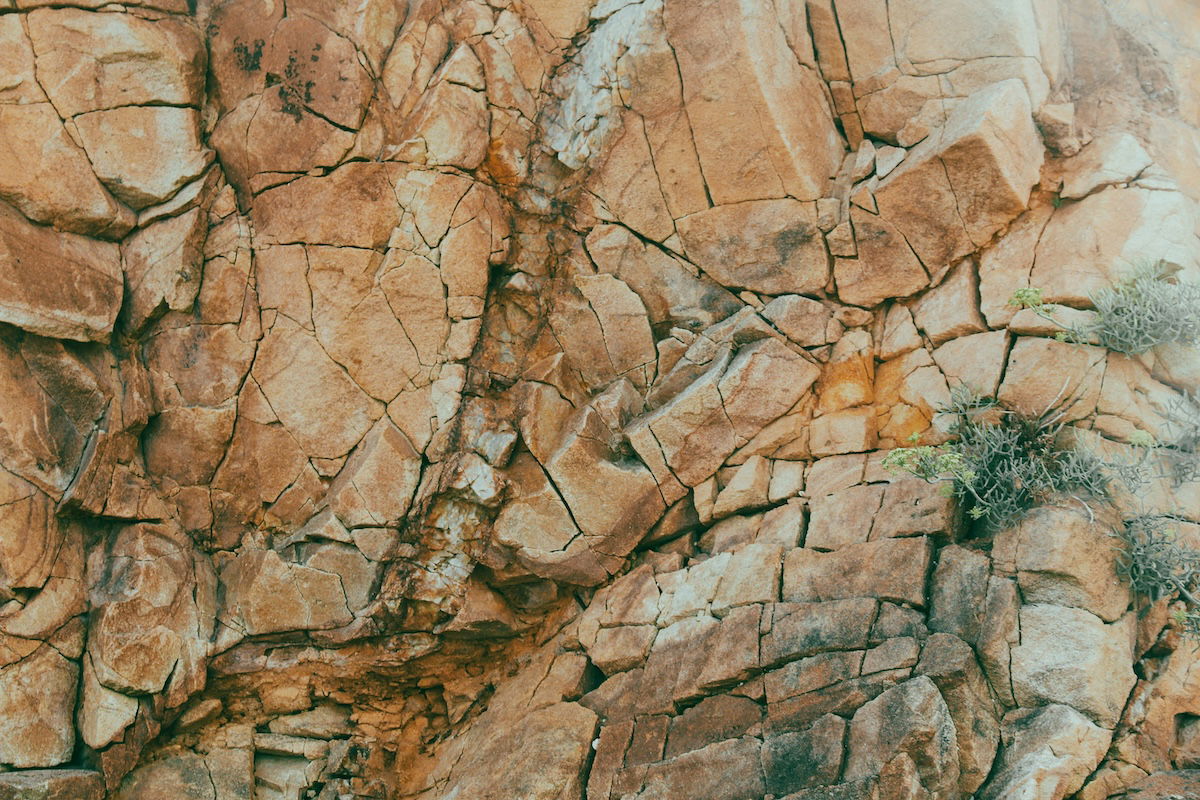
x: 471, y: 399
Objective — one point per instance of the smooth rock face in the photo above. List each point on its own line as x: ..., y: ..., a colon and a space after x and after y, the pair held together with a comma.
x: 491, y: 399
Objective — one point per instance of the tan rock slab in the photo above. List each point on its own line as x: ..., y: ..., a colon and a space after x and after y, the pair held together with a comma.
x: 37, y: 698
x: 737, y: 69
x: 265, y: 594
x: 842, y: 518
x: 1046, y: 375
x: 910, y: 719
x: 977, y: 170
x: 1065, y: 558
x: 90, y: 61
x: 767, y: 246
x: 886, y: 265
x: 1069, y: 656
x: 852, y: 430
x: 1115, y: 157
x: 746, y: 489
x: 950, y: 310
x: 163, y: 265
x: 52, y: 784
x: 887, y: 569
x: 46, y: 175
x: 1101, y: 239
x: 300, y: 379
x: 376, y: 486
x: 57, y: 285
x: 144, y: 154
x: 1049, y: 753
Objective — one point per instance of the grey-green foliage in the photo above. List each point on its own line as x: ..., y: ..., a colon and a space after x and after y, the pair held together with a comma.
x: 1152, y: 306
x: 1001, y: 463
x: 1157, y: 565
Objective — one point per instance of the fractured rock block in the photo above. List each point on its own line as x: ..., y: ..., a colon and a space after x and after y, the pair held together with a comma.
x: 57, y: 284
x: 888, y: 569
x: 976, y: 171
x: 766, y: 246
x: 1069, y: 656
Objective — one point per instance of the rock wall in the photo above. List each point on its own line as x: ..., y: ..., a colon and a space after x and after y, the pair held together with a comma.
x: 456, y: 399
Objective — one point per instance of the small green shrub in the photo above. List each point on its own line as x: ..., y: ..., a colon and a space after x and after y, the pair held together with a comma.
x: 1149, y: 308
x: 1001, y: 464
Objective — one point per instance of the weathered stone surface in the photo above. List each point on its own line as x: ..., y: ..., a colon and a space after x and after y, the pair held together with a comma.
x: 803, y: 629
x: 768, y: 246
x: 794, y: 761
x: 51, y: 784
x: 129, y: 61
x: 377, y: 483
x: 46, y: 175
x: 718, y: 46
x: 888, y: 569
x: 697, y: 430
x: 1065, y: 557
x: 978, y: 169
x: 950, y: 310
x: 1101, y: 239
x: 299, y: 379
x: 911, y: 720
x: 723, y: 771
x: 1048, y: 753
x: 37, y: 696
x: 57, y: 284
x: 1113, y: 158
x: 265, y: 594
x: 886, y: 265
x: 1069, y: 656
x: 1044, y: 375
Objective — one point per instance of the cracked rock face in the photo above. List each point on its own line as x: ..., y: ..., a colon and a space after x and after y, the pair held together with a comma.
x: 461, y: 399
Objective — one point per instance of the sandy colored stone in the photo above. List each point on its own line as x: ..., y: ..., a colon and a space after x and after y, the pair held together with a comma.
x: 847, y: 379
x: 886, y: 266
x: 144, y: 154
x: 265, y: 594
x: 300, y: 379
x: 1048, y: 753
x: 312, y: 209
x: 888, y: 569
x: 852, y: 430
x: 1101, y: 239
x: 52, y: 784
x: 975, y: 361
x: 670, y: 289
x: 737, y: 68
x: 187, y: 444
x: 1064, y: 557
x: 843, y: 517
x: 162, y: 265
x: 747, y: 489
x: 1069, y: 656
x: 803, y: 320
x: 950, y: 310
x: 1115, y: 157
x: 1046, y: 375
x: 768, y: 246
x: 45, y: 175
x: 103, y: 714
x: 910, y: 719
x: 978, y: 169
x: 377, y: 483
x: 37, y: 696
x: 128, y: 60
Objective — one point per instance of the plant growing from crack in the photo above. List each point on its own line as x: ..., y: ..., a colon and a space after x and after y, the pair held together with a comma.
x: 1150, y: 307
x: 1000, y: 463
